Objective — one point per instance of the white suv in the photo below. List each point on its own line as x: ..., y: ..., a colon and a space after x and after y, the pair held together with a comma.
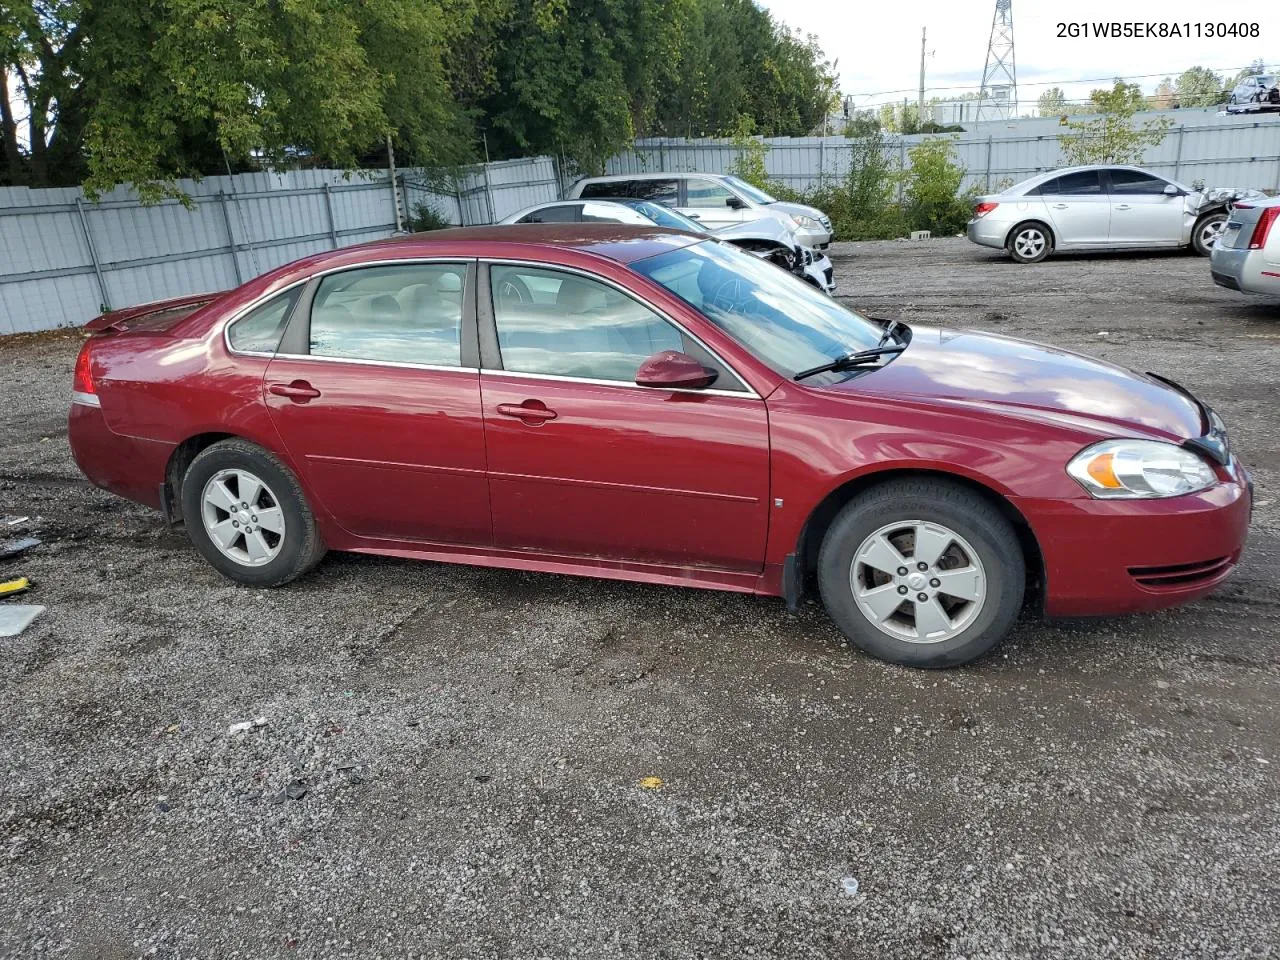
x: 714, y: 199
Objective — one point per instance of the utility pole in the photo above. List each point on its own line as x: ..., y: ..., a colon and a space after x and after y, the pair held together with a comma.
x: 920, y: 106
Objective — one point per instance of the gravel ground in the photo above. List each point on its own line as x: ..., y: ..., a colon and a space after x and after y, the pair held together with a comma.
x: 473, y: 742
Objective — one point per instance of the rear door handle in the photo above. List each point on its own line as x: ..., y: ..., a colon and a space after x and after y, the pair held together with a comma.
x: 1059, y: 206
x: 1122, y: 206
x: 299, y: 391
x: 532, y: 412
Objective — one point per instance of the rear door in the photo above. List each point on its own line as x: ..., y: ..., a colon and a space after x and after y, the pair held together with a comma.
x: 376, y: 395
x: 711, y: 203
x: 583, y: 461
x: 1079, y: 207
x: 1142, y: 214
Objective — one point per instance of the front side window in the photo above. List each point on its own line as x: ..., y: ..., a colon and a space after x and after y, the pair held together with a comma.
x: 751, y: 192
x: 563, y: 324
x: 611, y: 213
x: 260, y: 330
x: 401, y: 313
x: 785, y: 322
x: 708, y: 193
x: 1133, y: 182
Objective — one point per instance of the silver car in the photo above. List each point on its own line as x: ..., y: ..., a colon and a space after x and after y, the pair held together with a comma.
x: 768, y: 239
x: 1247, y: 255
x: 1096, y: 207
x: 713, y: 199
x: 1255, y: 94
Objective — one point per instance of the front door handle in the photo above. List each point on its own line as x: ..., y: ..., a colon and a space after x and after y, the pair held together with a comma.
x: 1122, y: 206
x: 531, y: 412
x: 299, y: 391
x: 1059, y: 206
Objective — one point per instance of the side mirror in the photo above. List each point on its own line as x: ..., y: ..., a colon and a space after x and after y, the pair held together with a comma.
x: 1170, y: 190
x: 734, y: 202
x: 674, y: 370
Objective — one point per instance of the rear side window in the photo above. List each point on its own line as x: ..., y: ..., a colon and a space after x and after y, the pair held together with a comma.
x: 260, y: 330
x: 406, y: 313
x: 1083, y: 183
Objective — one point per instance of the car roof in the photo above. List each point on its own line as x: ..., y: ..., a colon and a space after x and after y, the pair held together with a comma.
x: 621, y: 242
x: 615, y: 177
x: 1048, y: 175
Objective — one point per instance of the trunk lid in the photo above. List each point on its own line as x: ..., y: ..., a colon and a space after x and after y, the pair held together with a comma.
x: 155, y: 317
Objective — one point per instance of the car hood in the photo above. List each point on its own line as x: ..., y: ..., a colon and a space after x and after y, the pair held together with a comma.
x: 795, y: 209
x: 1020, y: 378
x: 766, y: 228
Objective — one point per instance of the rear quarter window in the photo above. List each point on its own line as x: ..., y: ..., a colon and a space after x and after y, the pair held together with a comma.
x: 260, y: 330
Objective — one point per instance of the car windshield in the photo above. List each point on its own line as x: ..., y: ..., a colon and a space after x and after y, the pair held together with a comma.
x: 750, y: 192
x: 785, y: 322
x: 664, y: 217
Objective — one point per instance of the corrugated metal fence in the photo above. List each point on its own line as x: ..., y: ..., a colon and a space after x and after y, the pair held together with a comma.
x: 1220, y: 150
x: 64, y: 259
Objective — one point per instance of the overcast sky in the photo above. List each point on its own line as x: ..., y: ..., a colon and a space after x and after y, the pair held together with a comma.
x: 877, y: 44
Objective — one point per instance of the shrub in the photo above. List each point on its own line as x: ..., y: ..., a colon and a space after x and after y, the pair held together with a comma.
x: 425, y: 217
x: 933, y: 200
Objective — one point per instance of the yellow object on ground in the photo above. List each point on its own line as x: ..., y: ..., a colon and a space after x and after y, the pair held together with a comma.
x: 14, y: 586
x: 651, y: 783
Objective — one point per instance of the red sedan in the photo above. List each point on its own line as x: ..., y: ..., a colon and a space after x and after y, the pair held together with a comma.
x: 650, y: 405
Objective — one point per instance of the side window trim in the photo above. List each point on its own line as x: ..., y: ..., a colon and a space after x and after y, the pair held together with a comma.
x: 491, y: 353
x: 297, y: 335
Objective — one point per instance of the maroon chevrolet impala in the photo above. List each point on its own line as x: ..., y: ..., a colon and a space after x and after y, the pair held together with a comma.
x: 652, y: 405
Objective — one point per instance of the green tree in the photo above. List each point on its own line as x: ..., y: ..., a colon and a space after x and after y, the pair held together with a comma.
x: 1198, y: 87
x: 1053, y: 102
x: 749, y: 163
x: 141, y: 92
x: 1113, y: 137
x: 1252, y: 70
x: 932, y: 187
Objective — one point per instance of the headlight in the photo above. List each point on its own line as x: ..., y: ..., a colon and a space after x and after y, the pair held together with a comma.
x: 1139, y: 469
x: 800, y: 220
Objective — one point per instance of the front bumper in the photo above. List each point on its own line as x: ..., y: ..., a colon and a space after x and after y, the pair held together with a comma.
x: 1107, y: 557
x: 819, y: 238
x: 1239, y: 268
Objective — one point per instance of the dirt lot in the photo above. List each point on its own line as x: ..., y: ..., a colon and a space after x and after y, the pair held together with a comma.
x: 472, y: 741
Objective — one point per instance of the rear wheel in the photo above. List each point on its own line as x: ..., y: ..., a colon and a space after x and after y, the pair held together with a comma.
x: 1206, y: 232
x: 1030, y: 242
x: 246, y: 513
x: 922, y: 572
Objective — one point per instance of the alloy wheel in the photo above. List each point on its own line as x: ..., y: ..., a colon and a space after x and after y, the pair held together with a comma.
x: 243, y: 518
x: 1211, y: 231
x: 918, y: 581
x: 1029, y: 243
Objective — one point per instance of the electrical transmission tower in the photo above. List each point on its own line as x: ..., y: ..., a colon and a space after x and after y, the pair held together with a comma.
x: 1000, y: 76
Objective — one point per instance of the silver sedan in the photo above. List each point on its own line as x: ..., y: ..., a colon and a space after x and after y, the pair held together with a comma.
x: 1247, y: 255
x: 1097, y: 207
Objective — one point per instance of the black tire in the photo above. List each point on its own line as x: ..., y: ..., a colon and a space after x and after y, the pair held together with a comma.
x: 964, y: 512
x: 300, y: 546
x: 1198, y: 243
x: 1028, y: 230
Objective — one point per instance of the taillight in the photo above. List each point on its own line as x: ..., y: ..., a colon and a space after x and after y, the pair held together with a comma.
x: 1262, y: 229
x: 982, y: 209
x: 82, y: 380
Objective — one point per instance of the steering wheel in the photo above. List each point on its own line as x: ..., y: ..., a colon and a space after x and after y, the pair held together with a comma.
x: 513, y: 290
x: 729, y: 296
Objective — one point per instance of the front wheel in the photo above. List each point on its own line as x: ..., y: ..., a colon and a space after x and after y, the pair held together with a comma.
x: 1207, y: 231
x: 246, y: 513
x: 1030, y: 243
x: 924, y: 573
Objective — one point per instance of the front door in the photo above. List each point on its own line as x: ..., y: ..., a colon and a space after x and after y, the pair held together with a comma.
x: 582, y: 461
x: 379, y: 406
x: 711, y: 203
x: 1079, y: 207
x: 1142, y: 214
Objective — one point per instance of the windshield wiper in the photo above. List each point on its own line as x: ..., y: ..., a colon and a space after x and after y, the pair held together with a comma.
x: 892, y: 331
x: 849, y: 360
